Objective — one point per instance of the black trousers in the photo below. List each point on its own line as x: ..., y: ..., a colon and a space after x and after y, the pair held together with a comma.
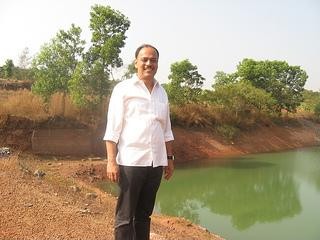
x: 138, y: 189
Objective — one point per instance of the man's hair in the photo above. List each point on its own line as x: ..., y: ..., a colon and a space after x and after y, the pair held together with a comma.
x: 145, y: 46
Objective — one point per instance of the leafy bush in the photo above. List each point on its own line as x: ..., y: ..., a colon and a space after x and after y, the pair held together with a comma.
x: 310, y: 100
x: 241, y: 104
x: 227, y: 131
x: 317, y: 110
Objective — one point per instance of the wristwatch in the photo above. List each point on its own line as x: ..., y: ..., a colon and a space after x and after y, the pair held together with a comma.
x: 170, y: 157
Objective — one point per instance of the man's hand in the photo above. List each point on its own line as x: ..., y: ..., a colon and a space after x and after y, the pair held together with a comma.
x: 168, y: 170
x: 113, y: 171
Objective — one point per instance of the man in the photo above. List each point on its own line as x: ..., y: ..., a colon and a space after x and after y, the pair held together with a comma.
x: 139, y: 145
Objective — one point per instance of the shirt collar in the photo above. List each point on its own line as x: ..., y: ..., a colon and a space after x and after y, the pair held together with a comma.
x: 136, y: 80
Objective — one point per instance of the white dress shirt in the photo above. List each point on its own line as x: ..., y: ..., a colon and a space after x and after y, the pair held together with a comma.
x: 139, y: 122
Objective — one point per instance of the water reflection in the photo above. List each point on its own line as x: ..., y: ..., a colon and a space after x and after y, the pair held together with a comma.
x: 309, y: 169
x: 264, y: 196
x: 248, y: 191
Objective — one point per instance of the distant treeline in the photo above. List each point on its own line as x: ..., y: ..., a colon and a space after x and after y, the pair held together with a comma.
x: 258, y: 91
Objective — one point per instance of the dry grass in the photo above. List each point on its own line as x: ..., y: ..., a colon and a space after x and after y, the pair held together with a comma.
x: 193, y: 115
x: 213, y: 116
x: 24, y: 103
x: 61, y: 105
x: 204, y: 115
x: 5, y: 94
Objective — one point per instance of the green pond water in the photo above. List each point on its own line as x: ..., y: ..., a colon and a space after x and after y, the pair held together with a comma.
x: 263, y: 196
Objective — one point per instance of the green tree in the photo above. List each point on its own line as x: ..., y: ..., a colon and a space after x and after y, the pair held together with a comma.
x: 63, y: 66
x: 185, y: 82
x: 241, y: 101
x: 87, y: 84
x: 222, y: 78
x: 131, y: 70
x: 284, y: 82
x: 310, y: 100
x: 91, y: 81
x: 8, y: 68
x: 108, y: 29
x: 57, y: 61
x: 317, y: 110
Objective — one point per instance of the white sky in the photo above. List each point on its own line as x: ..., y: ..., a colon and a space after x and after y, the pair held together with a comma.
x: 215, y: 35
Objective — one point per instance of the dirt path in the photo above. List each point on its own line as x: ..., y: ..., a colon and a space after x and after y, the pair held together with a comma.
x: 63, y: 204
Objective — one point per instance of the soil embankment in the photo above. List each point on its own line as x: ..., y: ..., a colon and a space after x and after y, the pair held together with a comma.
x: 57, y: 198
x: 189, y: 145
x: 201, y: 145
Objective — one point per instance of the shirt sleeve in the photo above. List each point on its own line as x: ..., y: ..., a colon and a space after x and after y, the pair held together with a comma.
x: 168, y: 135
x: 115, y: 116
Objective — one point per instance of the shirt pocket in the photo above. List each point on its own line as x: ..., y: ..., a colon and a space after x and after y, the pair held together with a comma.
x: 137, y: 109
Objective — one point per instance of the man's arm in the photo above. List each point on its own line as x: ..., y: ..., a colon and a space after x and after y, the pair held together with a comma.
x: 168, y: 170
x: 112, y: 166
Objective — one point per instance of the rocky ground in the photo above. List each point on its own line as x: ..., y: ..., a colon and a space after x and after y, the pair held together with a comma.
x: 50, y: 198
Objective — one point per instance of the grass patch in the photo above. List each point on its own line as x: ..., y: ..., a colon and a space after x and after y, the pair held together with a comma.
x: 23, y: 103
x: 193, y: 115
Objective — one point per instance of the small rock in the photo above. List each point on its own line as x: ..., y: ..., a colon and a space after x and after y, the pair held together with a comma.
x: 91, y: 195
x: 39, y: 173
x: 154, y: 236
x: 4, y: 151
x: 94, y: 158
x: 75, y: 188
x: 85, y: 211
x: 203, y: 229
x: 25, y: 170
x: 28, y: 205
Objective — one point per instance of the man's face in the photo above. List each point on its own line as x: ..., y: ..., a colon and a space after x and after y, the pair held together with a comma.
x: 147, y: 63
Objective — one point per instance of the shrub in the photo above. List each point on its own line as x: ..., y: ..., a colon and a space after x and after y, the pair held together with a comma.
x: 227, y: 131
x: 317, y: 110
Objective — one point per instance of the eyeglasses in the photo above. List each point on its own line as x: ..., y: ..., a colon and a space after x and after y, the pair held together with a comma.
x: 152, y: 60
